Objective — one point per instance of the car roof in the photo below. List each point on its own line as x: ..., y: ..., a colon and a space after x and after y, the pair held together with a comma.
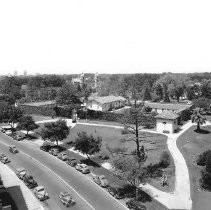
x: 39, y: 187
x: 20, y: 169
x: 12, y: 146
x: 102, y: 176
x: 65, y: 193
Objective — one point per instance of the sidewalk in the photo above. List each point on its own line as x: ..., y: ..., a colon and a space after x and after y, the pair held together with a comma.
x: 10, y: 179
x: 180, y: 198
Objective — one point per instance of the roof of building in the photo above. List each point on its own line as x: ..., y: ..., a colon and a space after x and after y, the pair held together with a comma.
x: 169, y: 115
x: 178, y: 107
x: 41, y: 103
x: 107, y: 99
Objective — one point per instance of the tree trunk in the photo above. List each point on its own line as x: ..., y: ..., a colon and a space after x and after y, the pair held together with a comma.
x: 198, y: 126
x: 27, y: 133
x: 136, y: 193
x: 178, y: 99
x: 137, y: 140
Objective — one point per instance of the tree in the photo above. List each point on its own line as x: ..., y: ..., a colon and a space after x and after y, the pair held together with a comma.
x: 130, y: 170
x: 158, y: 90
x: 203, y: 103
x: 146, y: 94
x: 10, y: 114
x: 68, y: 95
x: 88, y: 145
x: 206, y: 89
x: 27, y: 123
x: 132, y: 120
x: 55, y: 131
x: 198, y: 118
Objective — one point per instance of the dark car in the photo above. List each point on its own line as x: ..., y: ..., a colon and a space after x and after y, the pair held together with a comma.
x: 13, y: 149
x: 133, y: 204
x: 115, y: 192
x: 29, y: 181
x: 72, y: 162
x: 54, y: 151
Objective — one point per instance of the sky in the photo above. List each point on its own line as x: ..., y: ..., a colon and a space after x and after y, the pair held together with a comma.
x: 112, y: 36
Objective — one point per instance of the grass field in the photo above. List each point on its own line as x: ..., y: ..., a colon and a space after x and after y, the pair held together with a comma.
x: 191, y: 145
x: 154, y: 144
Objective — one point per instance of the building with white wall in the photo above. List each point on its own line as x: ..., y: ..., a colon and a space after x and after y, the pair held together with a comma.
x: 105, y: 103
x: 167, y: 122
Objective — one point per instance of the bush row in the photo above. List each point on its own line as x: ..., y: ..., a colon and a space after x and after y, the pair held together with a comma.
x: 39, y: 110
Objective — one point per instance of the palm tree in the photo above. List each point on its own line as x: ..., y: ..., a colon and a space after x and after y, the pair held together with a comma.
x: 198, y: 118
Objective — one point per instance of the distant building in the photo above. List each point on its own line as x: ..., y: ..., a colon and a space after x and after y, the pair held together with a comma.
x: 79, y: 80
x: 105, y: 103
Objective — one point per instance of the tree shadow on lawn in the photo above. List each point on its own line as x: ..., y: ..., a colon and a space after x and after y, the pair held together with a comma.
x: 90, y: 162
x: 129, y: 191
x: 201, y: 131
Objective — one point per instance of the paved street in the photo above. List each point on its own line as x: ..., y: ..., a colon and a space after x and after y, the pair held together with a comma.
x: 44, y: 177
x: 90, y: 194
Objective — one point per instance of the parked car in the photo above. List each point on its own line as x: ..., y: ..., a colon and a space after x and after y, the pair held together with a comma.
x: 13, y: 149
x: 115, y: 192
x: 72, y: 162
x: 46, y: 147
x: 133, y: 204
x: 82, y: 168
x: 4, y: 159
x: 54, y: 151
x: 100, y: 180
x: 66, y: 199
x: 20, y: 172
x: 63, y: 156
x: 41, y: 193
x: 29, y: 181
x: 17, y: 137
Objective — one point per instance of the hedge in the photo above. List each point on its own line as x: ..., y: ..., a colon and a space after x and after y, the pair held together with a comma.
x: 98, y: 115
x: 39, y: 110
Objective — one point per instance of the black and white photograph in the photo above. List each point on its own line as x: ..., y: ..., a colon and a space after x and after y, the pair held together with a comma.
x: 105, y: 105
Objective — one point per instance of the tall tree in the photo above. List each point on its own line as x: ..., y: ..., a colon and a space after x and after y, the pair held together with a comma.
x: 68, y: 95
x: 55, y: 131
x: 27, y: 123
x: 87, y: 144
x: 198, y: 118
x: 132, y: 120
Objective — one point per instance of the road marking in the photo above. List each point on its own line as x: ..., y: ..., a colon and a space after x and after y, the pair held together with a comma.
x: 55, y: 175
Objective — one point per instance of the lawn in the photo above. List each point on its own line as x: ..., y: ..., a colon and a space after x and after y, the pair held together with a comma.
x: 154, y: 144
x: 191, y: 144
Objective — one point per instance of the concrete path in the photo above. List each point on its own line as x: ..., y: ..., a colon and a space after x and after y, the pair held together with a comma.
x: 180, y: 198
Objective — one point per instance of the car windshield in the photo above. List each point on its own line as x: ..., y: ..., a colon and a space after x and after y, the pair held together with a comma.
x: 40, y: 189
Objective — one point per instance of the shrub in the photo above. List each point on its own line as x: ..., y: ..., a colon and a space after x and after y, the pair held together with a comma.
x: 201, y: 161
x: 205, y: 180
x: 208, y: 163
x: 125, y: 131
x: 165, y: 159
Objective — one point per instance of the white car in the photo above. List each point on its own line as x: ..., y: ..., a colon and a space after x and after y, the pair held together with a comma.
x: 66, y: 199
x: 40, y: 193
x: 20, y: 172
x: 62, y: 156
x: 100, y: 180
x: 82, y: 168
